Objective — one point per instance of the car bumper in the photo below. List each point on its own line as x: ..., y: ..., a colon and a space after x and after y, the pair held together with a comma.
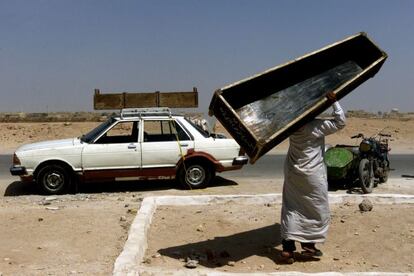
x: 18, y: 170
x: 240, y: 161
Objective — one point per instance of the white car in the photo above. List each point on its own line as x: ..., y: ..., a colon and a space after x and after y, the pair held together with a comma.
x: 138, y: 144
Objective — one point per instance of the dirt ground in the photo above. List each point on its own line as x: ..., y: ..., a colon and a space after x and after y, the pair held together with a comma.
x: 68, y: 234
x: 87, y: 231
x: 237, y: 238
x: 13, y: 135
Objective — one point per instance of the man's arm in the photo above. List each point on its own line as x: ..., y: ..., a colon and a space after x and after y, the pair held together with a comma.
x: 327, y: 127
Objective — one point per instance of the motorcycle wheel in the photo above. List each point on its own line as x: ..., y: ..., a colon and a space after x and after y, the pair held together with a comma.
x: 384, y: 177
x: 366, y: 176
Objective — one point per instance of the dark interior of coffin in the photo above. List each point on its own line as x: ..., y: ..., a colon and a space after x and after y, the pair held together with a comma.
x: 269, y: 102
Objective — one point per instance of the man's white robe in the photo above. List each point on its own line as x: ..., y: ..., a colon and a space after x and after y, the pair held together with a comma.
x: 305, y: 207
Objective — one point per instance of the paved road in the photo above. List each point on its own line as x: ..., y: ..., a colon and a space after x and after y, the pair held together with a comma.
x: 269, y: 167
x: 272, y: 166
x: 5, y: 163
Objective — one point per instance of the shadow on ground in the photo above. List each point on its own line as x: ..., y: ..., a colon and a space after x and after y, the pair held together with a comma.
x: 217, y: 252
x: 350, y: 188
x: 18, y: 188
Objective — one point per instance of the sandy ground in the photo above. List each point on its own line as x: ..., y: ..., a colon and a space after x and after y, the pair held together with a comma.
x: 69, y: 234
x: 85, y: 234
x: 13, y: 135
x: 234, y: 238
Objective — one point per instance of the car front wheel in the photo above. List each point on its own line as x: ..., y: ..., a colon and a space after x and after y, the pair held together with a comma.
x: 54, y: 179
x: 195, y: 175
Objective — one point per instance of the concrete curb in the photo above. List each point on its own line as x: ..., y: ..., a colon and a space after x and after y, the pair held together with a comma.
x: 131, y: 257
x: 205, y: 272
x: 136, y: 244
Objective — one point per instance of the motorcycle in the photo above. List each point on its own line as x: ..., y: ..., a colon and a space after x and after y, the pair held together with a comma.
x: 367, y: 164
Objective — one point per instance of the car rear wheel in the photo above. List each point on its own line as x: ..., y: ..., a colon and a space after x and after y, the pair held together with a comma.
x: 54, y: 179
x: 195, y: 175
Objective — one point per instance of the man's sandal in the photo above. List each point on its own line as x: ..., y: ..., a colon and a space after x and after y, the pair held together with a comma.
x: 287, y: 257
x: 311, y: 250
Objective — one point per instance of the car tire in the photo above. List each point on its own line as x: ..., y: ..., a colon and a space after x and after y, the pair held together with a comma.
x: 195, y: 175
x: 54, y: 179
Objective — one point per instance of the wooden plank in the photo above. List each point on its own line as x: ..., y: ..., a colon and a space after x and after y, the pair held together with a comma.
x: 108, y: 101
x: 178, y: 99
x: 188, y: 99
x: 140, y: 100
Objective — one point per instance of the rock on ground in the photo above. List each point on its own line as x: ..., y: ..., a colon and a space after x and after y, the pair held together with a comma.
x: 366, y: 205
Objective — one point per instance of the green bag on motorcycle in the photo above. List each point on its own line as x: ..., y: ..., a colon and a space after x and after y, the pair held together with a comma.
x: 338, y: 162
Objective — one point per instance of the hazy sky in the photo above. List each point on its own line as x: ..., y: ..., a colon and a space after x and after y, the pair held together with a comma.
x: 54, y: 53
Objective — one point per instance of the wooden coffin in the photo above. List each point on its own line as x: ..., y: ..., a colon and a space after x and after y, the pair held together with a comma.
x: 140, y: 100
x: 263, y: 110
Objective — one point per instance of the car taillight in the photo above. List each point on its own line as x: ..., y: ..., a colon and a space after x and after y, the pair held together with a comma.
x: 16, y: 160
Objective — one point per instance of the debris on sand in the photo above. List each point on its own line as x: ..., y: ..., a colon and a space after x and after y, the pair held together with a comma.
x: 132, y: 211
x: 147, y: 261
x: 200, y: 228
x: 191, y: 263
x: 156, y: 255
x: 366, y: 205
x: 50, y: 198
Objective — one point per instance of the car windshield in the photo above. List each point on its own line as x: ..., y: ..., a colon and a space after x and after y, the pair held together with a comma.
x: 91, y: 135
x: 197, y: 127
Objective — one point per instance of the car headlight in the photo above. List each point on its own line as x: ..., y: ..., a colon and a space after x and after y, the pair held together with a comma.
x: 364, y: 146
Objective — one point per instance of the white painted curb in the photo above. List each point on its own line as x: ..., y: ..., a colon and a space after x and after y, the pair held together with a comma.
x: 136, y: 244
x: 129, y: 262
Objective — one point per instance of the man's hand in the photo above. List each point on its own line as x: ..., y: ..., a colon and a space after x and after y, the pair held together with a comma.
x: 331, y: 96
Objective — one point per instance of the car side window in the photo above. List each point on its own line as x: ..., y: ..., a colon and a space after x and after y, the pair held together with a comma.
x: 163, y: 131
x: 122, y: 132
x: 182, y: 135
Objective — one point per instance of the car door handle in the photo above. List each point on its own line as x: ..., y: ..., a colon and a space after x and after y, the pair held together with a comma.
x: 132, y: 146
x: 184, y: 145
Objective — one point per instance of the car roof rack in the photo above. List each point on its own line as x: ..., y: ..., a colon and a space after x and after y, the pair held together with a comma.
x: 142, y: 112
